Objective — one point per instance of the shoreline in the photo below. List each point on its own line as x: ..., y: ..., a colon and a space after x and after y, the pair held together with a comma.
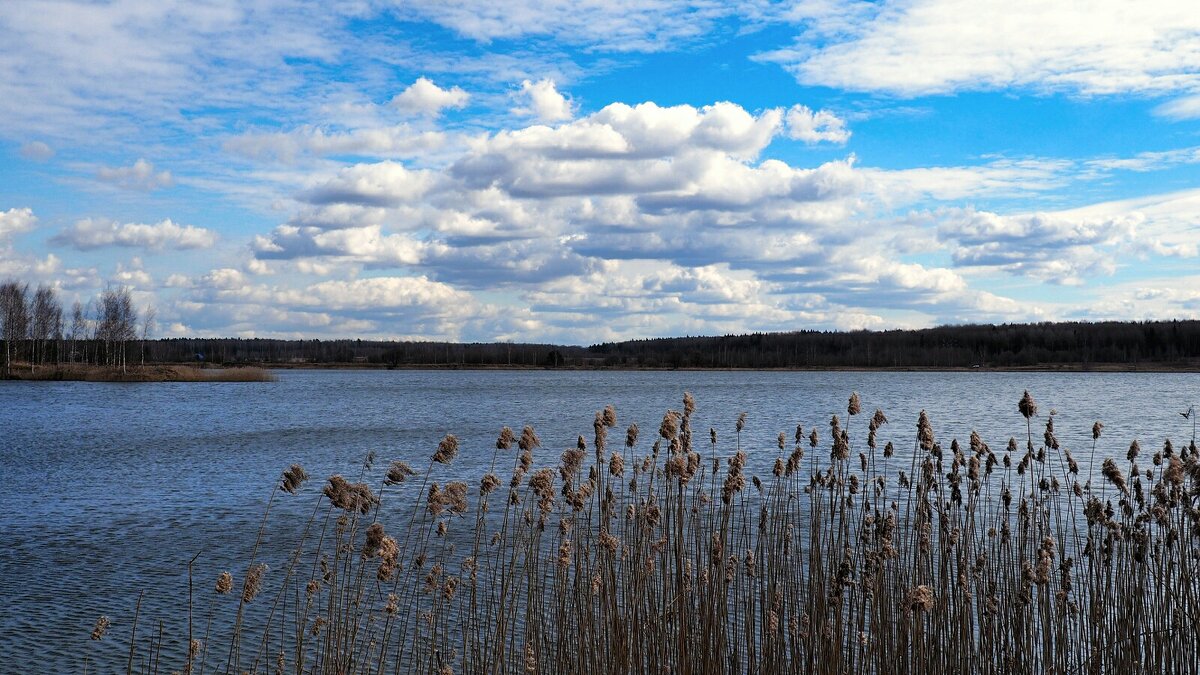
x: 137, y: 374
x: 262, y: 372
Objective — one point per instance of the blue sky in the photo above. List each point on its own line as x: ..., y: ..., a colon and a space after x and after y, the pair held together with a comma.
x: 587, y: 171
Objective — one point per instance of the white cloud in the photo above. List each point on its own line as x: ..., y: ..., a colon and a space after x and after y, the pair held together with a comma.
x: 941, y: 46
x: 545, y: 102
x: 37, y: 151
x: 426, y: 98
x: 1053, y: 247
x: 92, y: 233
x: 614, y: 26
x: 138, y: 176
x: 1186, y: 108
x: 379, y: 184
x: 816, y: 126
x: 16, y: 221
x: 390, y: 141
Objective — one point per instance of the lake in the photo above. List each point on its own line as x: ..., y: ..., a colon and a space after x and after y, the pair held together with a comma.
x: 110, y: 489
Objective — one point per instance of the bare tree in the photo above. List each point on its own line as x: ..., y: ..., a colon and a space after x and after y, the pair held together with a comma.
x: 45, y: 319
x: 117, y: 325
x: 79, y: 326
x: 14, y: 319
x: 149, y: 318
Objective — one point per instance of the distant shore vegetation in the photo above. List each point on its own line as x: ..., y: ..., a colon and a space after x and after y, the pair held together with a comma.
x: 110, y: 331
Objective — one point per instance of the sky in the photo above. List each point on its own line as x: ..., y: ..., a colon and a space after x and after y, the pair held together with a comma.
x: 592, y: 170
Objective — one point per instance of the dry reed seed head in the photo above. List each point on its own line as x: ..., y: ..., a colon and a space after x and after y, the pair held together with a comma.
x: 920, y: 598
x: 194, y: 649
x: 526, y: 460
x: 398, y: 472
x: 1134, y: 449
x: 1173, y: 474
x: 889, y: 449
x: 1096, y: 429
x: 581, y: 444
x: 293, y: 478
x: 741, y: 422
x: 455, y: 496
x: 1113, y: 474
x: 1026, y: 405
x: 253, y: 583
x: 531, y: 664
x: 506, y: 438
x: 712, y: 435
x: 350, y: 496
x: 375, y: 535
x: 609, y: 417
x: 489, y: 484
x: 777, y: 471
x: 564, y: 554
x: 854, y: 406
x: 393, y: 604
x: 631, y: 436
x: 101, y: 627
x: 449, y: 587
x: 572, y: 462
x: 924, y: 432
x: 447, y: 450
x: 616, y: 464
x: 224, y: 583
x: 879, y: 419
x: 312, y: 587
x: 669, y: 428
x: 442, y: 528
x: 529, y: 440
x: 434, y: 503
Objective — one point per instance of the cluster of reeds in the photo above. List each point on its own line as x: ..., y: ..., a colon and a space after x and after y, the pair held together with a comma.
x: 632, y: 555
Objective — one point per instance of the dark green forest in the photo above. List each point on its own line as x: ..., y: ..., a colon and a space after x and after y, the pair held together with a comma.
x: 1081, y: 345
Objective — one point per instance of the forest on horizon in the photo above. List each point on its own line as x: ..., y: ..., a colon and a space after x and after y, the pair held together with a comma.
x: 1077, y: 344
x: 35, y: 329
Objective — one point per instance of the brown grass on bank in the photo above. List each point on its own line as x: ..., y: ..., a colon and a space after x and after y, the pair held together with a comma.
x: 845, y: 557
x: 155, y: 373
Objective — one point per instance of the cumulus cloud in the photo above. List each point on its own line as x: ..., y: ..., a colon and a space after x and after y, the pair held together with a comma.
x: 545, y: 102
x: 941, y: 46
x: 819, y: 126
x: 138, y: 176
x: 426, y: 98
x: 379, y: 184
x: 37, y: 151
x: 1052, y: 247
x: 366, y: 244
x: 15, y: 221
x: 93, y: 233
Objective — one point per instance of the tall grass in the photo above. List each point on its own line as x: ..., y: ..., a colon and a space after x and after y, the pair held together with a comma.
x: 153, y: 373
x: 636, y: 555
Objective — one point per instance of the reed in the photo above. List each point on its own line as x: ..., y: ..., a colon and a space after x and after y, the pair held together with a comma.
x: 847, y: 557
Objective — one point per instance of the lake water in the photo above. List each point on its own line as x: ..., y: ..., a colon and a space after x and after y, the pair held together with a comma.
x: 109, y: 489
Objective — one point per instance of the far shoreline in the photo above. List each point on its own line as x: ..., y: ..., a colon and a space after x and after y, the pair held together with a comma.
x: 262, y: 372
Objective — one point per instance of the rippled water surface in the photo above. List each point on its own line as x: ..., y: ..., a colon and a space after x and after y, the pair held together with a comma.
x: 110, y: 489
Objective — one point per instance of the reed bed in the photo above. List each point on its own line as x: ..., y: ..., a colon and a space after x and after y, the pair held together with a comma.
x: 664, y: 555
x: 154, y: 373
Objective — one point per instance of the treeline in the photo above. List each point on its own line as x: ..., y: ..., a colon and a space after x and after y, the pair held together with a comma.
x: 104, y: 331
x: 109, y: 331
x: 235, y: 351
x: 1000, y: 346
